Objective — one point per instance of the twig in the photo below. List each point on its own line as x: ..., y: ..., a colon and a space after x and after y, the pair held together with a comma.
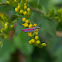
x: 33, y: 9
x: 3, y: 3
x: 37, y: 10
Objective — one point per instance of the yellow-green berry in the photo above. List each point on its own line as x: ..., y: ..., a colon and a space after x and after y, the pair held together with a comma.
x: 27, y: 21
x: 25, y: 7
x: 24, y: 19
x: 25, y: 12
x: 28, y: 9
x: 25, y: 25
x: 37, y: 42
x: 36, y: 37
x: 16, y: 9
x: 35, y: 25
x: 8, y: 2
x: 43, y: 44
x: 30, y: 25
x: 21, y: 11
x: 36, y: 33
x: 30, y: 34
x: 11, y: 26
x: 15, y: 0
x: 32, y: 40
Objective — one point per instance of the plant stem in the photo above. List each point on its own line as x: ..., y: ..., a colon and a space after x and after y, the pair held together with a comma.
x: 37, y: 10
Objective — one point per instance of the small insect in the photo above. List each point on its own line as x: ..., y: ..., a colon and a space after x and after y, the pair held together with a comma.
x: 30, y: 29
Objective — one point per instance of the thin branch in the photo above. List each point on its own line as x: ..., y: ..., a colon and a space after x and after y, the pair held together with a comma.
x: 37, y: 10
x: 33, y: 9
x: 40, y: 12
x: 3, y: 3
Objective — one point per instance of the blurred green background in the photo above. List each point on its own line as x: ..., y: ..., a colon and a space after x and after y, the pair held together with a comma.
x: 18, y: 49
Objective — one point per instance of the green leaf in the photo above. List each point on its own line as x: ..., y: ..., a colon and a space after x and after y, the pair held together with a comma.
x: 19, y: 27
x: 5, y: 8
x: 41, y: 4
x: 59, y: 55
x: 6, y: 50
x: 56, y: 1
x: 48, y: 27
x: 2, y: 0
x: 54, y: 44
x: 21, y: 41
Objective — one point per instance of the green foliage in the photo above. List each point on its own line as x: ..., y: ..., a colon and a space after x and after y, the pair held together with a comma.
x: 47, y: 33
x: 6, y: 50
x: 21, y: 40
x: 5, y: 8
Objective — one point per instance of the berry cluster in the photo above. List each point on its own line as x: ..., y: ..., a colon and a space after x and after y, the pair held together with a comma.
x: 55, y: 14
x: 59, y: 15
x: 21, y: 8
x: 25, y: 11
x: 5, y: 27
